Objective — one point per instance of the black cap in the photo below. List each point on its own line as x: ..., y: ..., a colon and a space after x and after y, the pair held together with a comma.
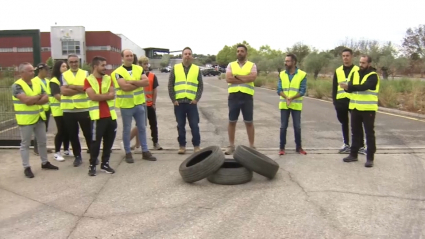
x: 42, y: 66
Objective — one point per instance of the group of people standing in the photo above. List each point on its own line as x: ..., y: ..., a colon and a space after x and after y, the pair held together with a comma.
x: 79, y: 99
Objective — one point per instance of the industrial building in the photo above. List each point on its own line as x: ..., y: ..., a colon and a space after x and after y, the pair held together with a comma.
x: 64, y: 40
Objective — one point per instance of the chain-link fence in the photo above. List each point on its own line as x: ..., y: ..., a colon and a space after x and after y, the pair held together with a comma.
x: 9, y: 132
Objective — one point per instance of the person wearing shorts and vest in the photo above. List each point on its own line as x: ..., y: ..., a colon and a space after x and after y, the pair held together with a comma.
x: 240, y: 76
x: 100, y: 91
x: 364, y: 89
x: 75, y: 106
x: 28, y: 99
x: 129, y: 81
x: 341, y: 98
x: 291, y: 88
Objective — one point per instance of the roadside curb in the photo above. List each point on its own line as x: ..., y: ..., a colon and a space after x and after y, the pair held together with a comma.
x: 381, y: 109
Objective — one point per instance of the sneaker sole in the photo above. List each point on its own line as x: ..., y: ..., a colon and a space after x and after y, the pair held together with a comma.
x: 103, y: 170
x: 60, y: 160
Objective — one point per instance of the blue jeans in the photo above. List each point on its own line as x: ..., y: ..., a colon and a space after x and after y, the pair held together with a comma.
x: 138, y: 112
x: 189, y: 111
x: 284, y: 120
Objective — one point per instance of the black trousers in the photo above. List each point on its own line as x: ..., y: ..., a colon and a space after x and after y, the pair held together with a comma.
x: 62, y: 135
x: 343, y: 117
x: 106, y: 129
x: 47, y: 127
x: 360, y: 119
x: 72, y: 120
x: 153, y: 124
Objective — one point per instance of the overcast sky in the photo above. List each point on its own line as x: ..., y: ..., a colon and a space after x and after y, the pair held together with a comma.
x: 206, y: 26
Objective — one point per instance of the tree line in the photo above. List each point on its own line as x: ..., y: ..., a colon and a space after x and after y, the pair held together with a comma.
x: 390, y: 60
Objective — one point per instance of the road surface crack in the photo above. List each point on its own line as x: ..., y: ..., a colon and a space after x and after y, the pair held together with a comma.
x: 369, y: 195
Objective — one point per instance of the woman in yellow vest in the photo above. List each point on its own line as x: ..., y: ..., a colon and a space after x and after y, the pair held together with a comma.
x: 62, y: 135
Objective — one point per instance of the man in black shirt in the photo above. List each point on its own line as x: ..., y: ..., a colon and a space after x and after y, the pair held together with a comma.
x: 341, y: 98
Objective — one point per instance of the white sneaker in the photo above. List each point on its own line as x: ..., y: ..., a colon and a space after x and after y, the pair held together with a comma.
x: 58, y: 157
x: 68, y: 153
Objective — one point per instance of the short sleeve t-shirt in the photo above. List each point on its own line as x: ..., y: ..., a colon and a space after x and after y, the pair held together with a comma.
x: 103, y: 105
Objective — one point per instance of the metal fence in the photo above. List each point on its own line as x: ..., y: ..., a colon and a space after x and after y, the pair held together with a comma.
x: 9, y: 132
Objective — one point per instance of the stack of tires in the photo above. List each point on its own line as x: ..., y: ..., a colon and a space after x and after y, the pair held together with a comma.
x: 210, y: 163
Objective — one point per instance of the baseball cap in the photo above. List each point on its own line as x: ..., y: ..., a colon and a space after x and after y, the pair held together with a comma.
x: 42, y: 66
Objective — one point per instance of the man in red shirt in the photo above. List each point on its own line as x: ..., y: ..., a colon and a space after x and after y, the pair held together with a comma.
x: 100, y: 91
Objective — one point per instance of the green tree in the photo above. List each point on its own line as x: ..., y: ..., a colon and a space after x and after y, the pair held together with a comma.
x: 414, y: 41
x: 228, y: 53
x: 49, y: 62
x: 300, y: 50
x: 315, y: 62
x: 165, y: 60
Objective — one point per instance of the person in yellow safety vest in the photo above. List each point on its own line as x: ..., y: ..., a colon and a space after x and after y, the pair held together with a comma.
x: 28, y: 99
x: 240, y: 76
x: 62, y: 135
x: 129, y: 81
x: 364, y: 89
x: 41, y: 78
x: 185, y: 88
x: 151, y: 93
x: 341, y: 99
x: 292, y: 86
x: 75, y: 106
x: 100, y: 91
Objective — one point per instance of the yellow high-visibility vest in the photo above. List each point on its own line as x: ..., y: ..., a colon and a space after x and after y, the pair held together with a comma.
x: 364, y: 100
x: 247, y: 88
x: 94, y: 105
x: 186, y: 86
x: 55, y: 105
x: 46, y: 89
x: 25, y: 114
x: 340, y: 76
x: 78, y: 101
x: 129, y: 99
x: 291, y: 88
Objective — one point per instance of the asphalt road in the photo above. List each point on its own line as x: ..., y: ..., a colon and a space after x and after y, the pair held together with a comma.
x: 312, y: 196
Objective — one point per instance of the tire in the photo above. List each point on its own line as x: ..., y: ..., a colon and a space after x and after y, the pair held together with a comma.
x: 201, y: 164
x: 231, y: 173
x: 256, y: 161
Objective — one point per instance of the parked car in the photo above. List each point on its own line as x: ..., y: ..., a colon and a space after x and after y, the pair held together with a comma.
x: 210, y: 72
x: 166, y: 69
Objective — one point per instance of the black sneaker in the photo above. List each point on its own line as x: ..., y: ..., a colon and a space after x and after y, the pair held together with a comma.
x: 350, y: 159
x: 369, y: 163
x: 78, y: 161
x: 48, y: 165
x: 129, y: 158
x: 28, y: 173
x: 105, y: 168
x: 148, y: 156
x: 92, y: 170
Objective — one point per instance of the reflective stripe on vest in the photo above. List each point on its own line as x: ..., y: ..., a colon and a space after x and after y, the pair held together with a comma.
x: 364, y: 100
x: 24, y: 114
x: 291, y: 88
x: 46, y: 88
x: 78, y: 101
x: 129, y: 99
x: 186, y: 86
x: 340, y: 76
x: 149, y: 89
x: 247, y: 88
x: 55, y: 105
x: 94, y: 105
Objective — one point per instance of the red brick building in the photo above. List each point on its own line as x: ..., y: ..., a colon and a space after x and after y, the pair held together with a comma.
x: 61, y: 42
